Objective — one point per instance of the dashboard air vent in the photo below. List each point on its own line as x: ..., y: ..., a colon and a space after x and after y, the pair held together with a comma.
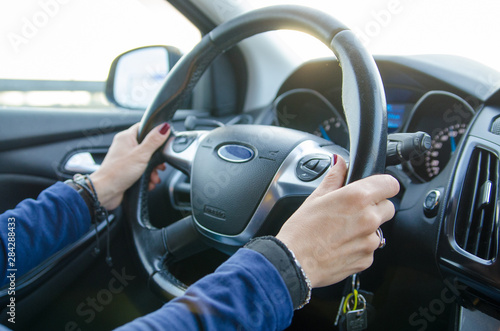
x: 476, y: 223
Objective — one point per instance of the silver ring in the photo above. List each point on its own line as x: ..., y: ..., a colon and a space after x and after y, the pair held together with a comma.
x: 380, y: 234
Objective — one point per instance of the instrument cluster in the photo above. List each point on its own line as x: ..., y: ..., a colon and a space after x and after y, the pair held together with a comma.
x: 443, y: 115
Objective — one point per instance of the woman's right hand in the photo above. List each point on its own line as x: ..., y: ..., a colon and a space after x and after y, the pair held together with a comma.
x: 333, y: 234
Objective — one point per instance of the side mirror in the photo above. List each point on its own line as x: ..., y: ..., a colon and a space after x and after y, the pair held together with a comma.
x: 136, y: 76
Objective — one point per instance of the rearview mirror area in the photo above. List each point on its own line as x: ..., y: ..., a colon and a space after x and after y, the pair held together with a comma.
x: 136, y: 76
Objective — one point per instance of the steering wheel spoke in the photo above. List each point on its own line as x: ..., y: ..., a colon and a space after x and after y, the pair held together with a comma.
x: 181, y: 147
x: 182, y: 239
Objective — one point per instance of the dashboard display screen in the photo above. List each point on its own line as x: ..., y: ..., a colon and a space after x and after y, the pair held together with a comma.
x: 395, y: 115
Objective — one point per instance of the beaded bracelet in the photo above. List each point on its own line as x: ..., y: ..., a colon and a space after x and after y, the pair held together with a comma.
x: 85, y: 187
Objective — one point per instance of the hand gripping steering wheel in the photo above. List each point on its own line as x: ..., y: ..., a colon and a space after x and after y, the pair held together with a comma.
x: 241, y: 174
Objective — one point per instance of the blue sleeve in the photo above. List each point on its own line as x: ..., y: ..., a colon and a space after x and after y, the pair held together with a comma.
x: 244, y: 293
x: 57, y: 218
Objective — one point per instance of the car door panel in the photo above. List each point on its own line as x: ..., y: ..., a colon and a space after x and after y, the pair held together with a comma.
x: 34, y: 145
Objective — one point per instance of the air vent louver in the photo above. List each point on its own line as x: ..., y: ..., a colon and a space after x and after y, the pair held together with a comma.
x: 476, y: 222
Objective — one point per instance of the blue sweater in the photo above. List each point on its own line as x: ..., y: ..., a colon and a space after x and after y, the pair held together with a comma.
x: 246, y: 292
x: 42, y: 227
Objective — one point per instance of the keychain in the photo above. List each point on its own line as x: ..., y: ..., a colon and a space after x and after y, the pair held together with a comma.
x: 352, y: 312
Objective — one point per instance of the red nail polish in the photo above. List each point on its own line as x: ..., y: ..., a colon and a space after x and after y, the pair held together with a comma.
x: 334, y: 160
x: 164, y: 128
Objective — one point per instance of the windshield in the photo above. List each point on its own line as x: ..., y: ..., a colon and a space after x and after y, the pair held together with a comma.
x: 406, y: 27
x: 57, y: 53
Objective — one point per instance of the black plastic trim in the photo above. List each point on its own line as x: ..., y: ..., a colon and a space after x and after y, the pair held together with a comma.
x: 239, y: 77
x: 197, y: 17
x: 18, y: 129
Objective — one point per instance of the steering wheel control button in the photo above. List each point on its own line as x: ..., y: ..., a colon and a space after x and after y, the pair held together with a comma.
x: 312, y: 166
x: 182, y: 142
x: 235, y: 153
x: 323, y: 164
x: 431, y: 203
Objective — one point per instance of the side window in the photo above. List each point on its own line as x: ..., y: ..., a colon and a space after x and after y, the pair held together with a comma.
x: 57, y: 53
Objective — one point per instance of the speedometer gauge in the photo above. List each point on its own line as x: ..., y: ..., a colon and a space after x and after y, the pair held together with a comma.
x: 309, y: 111
x: 327, y: 127
x: 445, y: 116
x: 444, y: 144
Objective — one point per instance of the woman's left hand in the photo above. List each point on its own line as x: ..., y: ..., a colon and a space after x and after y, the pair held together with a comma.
x: 125, y: 162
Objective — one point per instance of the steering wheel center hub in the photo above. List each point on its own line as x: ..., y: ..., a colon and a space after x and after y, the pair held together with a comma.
x: 232, y: 170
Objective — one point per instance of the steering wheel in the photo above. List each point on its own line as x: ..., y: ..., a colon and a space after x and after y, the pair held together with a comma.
x: 241, y: 175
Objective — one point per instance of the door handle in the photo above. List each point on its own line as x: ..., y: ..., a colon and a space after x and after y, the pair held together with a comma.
x: 82, y: 162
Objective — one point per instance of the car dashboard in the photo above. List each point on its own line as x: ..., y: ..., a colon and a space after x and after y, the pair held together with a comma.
x: 311, y: 100
x: 447, y: 218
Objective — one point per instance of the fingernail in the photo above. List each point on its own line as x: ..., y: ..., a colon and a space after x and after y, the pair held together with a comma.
x: 164, y: 128
x: 334, y: 159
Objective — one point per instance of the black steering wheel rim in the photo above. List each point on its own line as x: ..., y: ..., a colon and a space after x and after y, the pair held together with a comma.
x: 363, y: 100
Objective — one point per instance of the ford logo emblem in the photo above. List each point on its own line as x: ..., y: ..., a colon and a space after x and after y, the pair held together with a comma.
x: 235, y: 153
